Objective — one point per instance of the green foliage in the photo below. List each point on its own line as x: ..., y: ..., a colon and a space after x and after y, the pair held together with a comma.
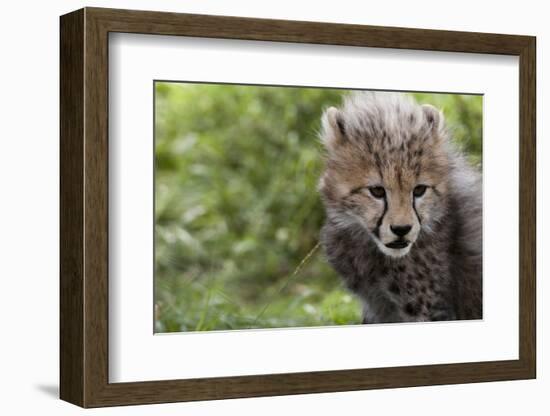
x: 237, y: 209
x: 463, y: 115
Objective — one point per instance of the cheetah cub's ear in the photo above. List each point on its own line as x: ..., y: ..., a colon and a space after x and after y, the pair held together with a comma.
x: 334, y: 129
x: 434, y: 118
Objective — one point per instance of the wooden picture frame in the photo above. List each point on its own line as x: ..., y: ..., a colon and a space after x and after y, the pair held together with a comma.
x: 84, y: 207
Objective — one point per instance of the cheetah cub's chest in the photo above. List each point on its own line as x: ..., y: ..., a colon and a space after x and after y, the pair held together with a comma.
x: 416, y: 284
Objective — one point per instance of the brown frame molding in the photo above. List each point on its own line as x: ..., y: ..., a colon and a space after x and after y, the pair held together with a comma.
x: 84, y: 207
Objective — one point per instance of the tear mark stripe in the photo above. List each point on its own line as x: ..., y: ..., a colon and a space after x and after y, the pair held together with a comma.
x: 379, y: 222
x: 416, y: 212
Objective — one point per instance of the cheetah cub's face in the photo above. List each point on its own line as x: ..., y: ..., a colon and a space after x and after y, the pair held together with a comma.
x: 386, y: 168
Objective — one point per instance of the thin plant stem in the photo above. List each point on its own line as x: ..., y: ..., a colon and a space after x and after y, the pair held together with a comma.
x: 297, y: 270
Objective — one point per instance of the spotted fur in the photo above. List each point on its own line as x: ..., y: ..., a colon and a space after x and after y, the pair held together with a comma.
x: 403, y: 210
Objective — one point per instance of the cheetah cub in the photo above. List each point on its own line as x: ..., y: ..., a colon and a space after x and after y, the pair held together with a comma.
x: 403, y: 210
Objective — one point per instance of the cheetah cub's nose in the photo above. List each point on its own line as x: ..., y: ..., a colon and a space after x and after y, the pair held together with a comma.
x: 400, y: 230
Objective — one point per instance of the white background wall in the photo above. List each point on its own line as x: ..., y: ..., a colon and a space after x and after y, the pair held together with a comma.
x: 29, y: 206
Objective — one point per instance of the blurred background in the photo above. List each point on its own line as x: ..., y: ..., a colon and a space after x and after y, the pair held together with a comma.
x: 237, y: 210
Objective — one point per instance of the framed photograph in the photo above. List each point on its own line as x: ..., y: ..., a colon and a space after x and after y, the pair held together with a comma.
x: 255, y: 207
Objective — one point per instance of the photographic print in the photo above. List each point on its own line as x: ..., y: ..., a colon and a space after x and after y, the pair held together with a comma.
x: 285, y: 207
x: 224, y: 184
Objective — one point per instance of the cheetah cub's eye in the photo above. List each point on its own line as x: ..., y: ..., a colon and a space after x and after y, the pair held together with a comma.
x: 377, y: 191
x: 419, y: 190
